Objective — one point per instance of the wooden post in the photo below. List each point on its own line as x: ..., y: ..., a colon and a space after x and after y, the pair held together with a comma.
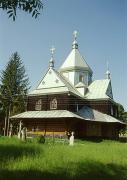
x: 8, y: 119
x: 5, y: 125
x: 6, y: 122
x: 45, y: 129
x: 53, y: 136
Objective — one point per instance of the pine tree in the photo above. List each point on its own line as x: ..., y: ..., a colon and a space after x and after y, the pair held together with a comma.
x: 14, y: 87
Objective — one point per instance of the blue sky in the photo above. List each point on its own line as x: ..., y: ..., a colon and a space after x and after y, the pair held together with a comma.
x: 102, y: 27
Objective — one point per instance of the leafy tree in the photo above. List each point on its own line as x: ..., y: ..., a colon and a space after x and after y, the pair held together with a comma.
x: 122, y: 115
x: 125, y: 116
x: 30, y: 6
x: 14, y: 87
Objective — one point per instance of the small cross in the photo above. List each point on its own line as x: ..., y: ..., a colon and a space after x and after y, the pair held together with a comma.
x: 52, y: 51
x: 75, y: 34
x: 107, y: 65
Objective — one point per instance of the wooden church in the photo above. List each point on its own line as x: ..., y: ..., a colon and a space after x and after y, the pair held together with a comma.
x: 69, y: 100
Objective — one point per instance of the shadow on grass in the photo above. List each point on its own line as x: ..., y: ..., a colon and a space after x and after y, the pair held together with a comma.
x: 91, y: 140
x: 123, y: 139
x: 96, y: 140
x: 89, y: 170
x: 8, y: 152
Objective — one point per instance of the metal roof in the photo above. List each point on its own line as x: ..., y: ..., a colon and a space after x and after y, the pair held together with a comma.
x: 54, y: 82
x: 98, y: 90
x: 75, y: 61
x: 80, y: 84
x: 93, y: 115
x: 46, y: 114
x: 85, y: 113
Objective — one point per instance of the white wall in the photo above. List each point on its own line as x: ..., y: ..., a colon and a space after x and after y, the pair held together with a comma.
x: 73, y: 76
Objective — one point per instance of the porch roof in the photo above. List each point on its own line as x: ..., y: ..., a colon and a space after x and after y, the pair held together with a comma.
x: 46, y: 114
x: 86, y: 113
x: 93, y: 115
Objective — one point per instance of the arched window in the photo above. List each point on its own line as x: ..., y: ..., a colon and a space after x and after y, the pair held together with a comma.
x: 53, y: 104
x: 112, y: 113
x: 81, y: 78
x: 38, y: 105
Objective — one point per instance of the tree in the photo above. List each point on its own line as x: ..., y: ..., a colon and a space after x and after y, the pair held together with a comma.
x: 30, y: 6
x: 122, y: 115
x: 14, y: 87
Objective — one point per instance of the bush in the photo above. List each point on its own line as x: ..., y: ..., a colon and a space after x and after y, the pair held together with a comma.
x: 41, y: 139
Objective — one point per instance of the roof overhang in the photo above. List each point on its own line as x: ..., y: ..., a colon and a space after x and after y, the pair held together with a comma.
x: 46, y: 115
x: 85, y: 113
x: 95, y: 116
x: 75, y: 68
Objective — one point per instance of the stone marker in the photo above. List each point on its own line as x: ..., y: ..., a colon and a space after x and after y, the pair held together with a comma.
x: 24, y: 133
x: 71, y: 140
x: 10, y: 130
x: 20, y: 127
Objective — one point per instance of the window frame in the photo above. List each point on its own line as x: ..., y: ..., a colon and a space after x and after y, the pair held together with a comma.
x: 53, y: 103
x: 38, y: 105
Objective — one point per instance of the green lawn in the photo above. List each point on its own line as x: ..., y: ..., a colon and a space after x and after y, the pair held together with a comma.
x: 106, y: 160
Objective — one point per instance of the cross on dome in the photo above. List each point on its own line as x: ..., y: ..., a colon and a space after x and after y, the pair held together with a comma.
x: 52, y: 50
x: 107, y: 65
x: 75, y: 34
x: 51, y: 62
x: 75, y: 44
x: 108, y: 75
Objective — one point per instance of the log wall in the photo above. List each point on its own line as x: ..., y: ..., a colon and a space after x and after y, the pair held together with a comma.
x: 82, y: 129
x: 72, y: 103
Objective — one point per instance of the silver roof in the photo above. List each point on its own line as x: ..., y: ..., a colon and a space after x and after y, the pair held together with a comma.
x: 85, y: 113
x: 100, y: 89
x: 54, y: 83
x: 46, y: 114
x: 93, y: 115
x: 80, y: 84
x: 75, y: 61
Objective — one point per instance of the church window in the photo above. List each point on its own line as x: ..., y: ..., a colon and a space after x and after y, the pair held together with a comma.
x: 77, y: 107
x: 112, y: 110
x: 38, y: 105
x: 81, y: 78
x: 53, y: 104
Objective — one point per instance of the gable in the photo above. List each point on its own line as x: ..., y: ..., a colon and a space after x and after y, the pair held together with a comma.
x: 50, y: 80
x: 54, y: 83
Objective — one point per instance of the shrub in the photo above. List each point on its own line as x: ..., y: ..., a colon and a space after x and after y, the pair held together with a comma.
x: 41, y: 139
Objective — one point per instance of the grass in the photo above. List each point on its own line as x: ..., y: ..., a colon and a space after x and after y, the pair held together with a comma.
x: 105, y: 160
